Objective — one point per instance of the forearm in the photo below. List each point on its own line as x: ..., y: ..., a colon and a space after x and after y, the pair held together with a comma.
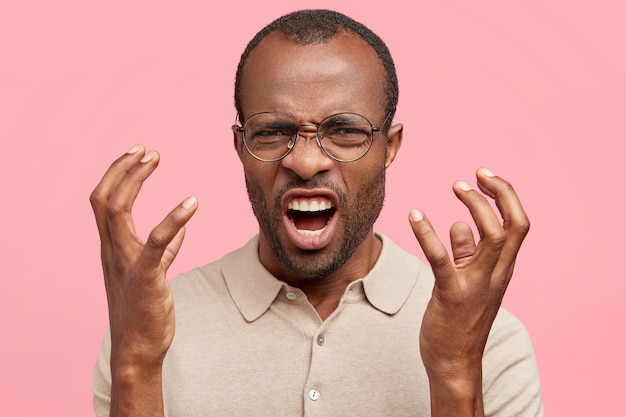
x: 137, y: 392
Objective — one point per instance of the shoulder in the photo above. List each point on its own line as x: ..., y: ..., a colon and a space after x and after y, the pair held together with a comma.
x: 507, y: 327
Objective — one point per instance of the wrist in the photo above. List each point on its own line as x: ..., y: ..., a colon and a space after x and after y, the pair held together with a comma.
x: 136, y: 391
x: 131, y: 373
x: 456, y: 394
x: 456, y: 398
x: 133, y: 358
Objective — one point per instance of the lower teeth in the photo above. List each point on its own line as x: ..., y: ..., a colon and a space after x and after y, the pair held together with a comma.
x: 311, y: 232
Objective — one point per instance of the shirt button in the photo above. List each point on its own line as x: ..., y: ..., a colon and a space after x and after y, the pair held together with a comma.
x: 291, y: 296
x: 321, y: 340
x: 314, y: 394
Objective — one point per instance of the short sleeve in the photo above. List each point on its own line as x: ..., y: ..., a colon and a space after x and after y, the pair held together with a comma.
x: 511, y: 383
x: 101, y: 379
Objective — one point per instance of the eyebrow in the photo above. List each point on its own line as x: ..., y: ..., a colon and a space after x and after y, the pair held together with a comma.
x: 340, y: 121
x: 272, y: 124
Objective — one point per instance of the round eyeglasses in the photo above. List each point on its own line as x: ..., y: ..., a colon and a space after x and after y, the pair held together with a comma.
x: 345, y: 137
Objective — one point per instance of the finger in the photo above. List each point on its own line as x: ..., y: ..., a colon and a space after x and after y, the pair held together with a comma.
x: 507, y: 201
x: 462, y: 241
x: 167, y: 235
x: 516, y: 222
x: 484, y: 177
x: 172, y: 249
x: 119, y: 207
x: 101, y: 194
x: 492, y: 235
x: 433, y: 249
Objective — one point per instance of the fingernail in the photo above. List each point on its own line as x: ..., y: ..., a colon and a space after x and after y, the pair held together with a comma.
x: 190, y: 202
x: 133, y: 149
x: 488, y: 173
x: 463, y: 185
x: 147, y: 157
x: 416, y: 215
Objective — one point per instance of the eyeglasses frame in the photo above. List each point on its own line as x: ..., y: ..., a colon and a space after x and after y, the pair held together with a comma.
x: 241, y: 129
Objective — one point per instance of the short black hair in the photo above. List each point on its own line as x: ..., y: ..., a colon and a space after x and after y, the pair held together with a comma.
x: 309, y: 27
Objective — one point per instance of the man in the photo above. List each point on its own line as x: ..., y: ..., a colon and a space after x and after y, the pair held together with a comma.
x: 317, y: 315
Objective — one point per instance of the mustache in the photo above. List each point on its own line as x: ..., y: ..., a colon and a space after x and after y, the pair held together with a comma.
x: 300, y: 183
x: 309, y: 184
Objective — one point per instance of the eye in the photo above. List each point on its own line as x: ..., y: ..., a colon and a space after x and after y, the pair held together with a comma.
x: 347, y: 131
x: 346, y: 126
x: 271, y: 136
x: 270, y: 133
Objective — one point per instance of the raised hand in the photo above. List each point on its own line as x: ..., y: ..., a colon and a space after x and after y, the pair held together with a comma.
x: 468, y: 291
x: 141, y: 309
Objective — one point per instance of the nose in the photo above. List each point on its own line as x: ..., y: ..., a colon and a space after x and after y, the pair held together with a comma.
x: 307, y: 158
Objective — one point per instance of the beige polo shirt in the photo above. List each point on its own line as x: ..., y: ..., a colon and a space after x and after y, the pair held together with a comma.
x: 247, y: 344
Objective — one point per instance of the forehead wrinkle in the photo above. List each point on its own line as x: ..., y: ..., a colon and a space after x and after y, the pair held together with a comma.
x: 309, y: 109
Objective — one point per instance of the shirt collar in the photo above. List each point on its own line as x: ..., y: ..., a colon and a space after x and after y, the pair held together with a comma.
x: 389, y: 283
x: 253, y: 289
x: 251, y: 286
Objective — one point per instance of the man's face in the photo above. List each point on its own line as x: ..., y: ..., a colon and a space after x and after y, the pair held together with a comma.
x: 316, y: 214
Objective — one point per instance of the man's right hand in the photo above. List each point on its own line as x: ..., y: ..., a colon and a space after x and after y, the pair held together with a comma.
x: 141, y: 308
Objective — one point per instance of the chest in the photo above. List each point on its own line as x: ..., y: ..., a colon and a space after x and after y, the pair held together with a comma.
x: 360, y: 361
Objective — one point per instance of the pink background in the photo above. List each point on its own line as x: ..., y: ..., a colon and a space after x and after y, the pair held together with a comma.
x: 535, y: 90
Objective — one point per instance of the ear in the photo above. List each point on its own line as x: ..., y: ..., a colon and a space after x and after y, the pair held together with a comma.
x: 394, y: 140
x: 238, y: 141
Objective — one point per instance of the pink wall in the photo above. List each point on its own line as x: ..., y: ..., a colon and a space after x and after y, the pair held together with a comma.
x: 535, y: 90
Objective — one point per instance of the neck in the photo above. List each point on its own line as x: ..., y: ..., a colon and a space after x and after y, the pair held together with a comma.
x: 324, y: 293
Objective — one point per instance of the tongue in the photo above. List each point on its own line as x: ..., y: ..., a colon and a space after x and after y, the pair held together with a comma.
x: 310, y: 221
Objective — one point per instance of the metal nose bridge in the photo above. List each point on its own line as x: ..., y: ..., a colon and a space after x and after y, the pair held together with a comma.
x: 298, y: 134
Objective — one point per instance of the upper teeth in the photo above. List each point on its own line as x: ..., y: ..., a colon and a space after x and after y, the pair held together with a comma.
x: 310, y: 204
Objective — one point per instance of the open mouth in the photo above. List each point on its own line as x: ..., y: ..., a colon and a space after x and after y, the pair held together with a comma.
x: 310, y: 215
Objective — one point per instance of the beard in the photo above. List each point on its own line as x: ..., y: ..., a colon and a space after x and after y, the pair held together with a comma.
x: 356, y: 217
